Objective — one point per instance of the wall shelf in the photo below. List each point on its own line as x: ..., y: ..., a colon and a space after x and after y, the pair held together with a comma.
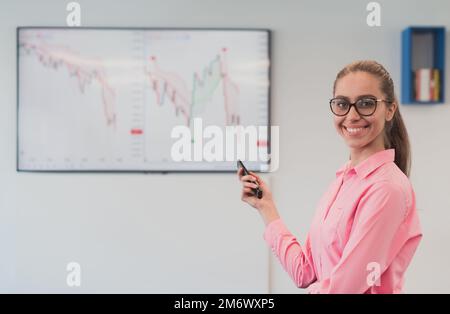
x: 423, y: 47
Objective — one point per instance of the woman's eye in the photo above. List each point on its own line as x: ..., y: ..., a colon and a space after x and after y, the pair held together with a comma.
x: 367, y: 103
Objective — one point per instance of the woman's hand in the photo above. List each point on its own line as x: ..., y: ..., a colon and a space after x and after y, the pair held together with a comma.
x: 265, y: 206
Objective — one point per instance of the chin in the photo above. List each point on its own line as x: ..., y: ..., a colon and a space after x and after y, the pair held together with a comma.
x: 356, y: 144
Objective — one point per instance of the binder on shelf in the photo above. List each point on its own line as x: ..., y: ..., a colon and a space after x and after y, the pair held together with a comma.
x: 427, y: 85
x: 437, y: 85
x: 423, y: 86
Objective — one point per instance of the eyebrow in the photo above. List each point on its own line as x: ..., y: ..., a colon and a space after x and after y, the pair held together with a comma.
x: 359, y: 97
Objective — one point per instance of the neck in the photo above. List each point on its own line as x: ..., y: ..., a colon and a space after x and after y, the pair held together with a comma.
x: 358, y: 155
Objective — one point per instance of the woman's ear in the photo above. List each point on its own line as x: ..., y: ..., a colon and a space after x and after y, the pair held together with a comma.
x: 391, y: 111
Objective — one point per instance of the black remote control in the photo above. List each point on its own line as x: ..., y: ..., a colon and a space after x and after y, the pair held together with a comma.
x: 256, y: 191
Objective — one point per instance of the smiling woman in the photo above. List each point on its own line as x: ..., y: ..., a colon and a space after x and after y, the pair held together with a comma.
x: 366, y: 228
x: 376, y: 124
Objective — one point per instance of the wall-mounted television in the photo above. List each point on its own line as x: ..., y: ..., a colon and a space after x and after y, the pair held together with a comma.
x: 122, y: 99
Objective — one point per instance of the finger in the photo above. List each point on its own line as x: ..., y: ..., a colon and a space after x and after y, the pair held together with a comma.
x: 240, y: 172
x: 248, y: 178
x: 248, y: 196
x: 250, y: 185
x: 248, y: 191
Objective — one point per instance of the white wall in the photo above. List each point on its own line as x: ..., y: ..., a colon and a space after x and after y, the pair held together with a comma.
x: 190, y: 232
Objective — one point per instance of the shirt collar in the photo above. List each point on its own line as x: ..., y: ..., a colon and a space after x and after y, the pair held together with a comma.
x: 365, y: 167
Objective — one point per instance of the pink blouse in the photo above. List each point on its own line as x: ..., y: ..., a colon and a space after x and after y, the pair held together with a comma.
x: 364, y: 234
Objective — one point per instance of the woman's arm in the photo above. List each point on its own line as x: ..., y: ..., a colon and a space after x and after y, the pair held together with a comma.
x: 296, y: 261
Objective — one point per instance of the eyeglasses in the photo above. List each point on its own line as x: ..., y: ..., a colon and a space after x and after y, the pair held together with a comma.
x: 364, y: 106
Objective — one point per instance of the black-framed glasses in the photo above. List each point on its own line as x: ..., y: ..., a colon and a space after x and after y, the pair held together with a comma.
x: 365, y: 106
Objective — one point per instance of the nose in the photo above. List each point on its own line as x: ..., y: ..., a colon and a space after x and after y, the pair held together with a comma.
x: 353, y: 114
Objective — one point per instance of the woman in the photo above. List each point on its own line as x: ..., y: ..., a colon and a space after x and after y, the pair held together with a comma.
x: 366, y: 228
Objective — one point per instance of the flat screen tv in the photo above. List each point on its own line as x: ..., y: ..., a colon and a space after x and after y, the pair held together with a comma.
x: 142, y: 99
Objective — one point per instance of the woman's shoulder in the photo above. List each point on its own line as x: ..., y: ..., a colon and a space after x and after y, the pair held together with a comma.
x: 390, y: 174
x: 390, y: 179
